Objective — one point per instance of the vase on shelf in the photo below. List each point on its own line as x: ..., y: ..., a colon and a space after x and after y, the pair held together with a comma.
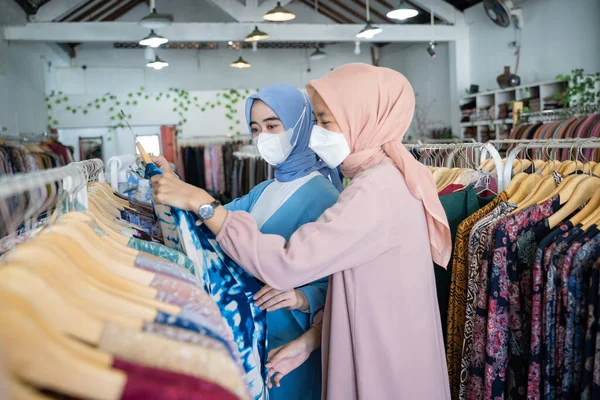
x: 507, y: 79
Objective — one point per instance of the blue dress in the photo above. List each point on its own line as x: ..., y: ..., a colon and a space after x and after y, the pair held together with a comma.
x: 306, y: 205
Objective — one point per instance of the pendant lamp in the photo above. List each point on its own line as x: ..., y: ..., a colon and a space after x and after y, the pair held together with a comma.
x: 318, y: 54
x: 402, y: 12
x: 256, y: 35
x: 279, y: 14
x: 240, y: 63
x: 157, y: 64
x: 153, y: 40
x: 369, y: 30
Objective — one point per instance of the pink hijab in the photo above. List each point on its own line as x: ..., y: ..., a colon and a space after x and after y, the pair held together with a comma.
x: 374, y: 107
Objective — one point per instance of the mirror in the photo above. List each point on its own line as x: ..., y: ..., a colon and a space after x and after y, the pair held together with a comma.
x: 90, y: 147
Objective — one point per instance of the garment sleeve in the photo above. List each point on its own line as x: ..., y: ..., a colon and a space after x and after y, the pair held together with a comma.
x: 316, y: 293
x: 351, y: 233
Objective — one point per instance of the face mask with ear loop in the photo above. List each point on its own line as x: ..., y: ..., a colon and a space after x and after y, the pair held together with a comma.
x: 276, y: 148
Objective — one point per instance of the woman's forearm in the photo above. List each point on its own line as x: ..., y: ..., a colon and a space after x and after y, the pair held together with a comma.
x: 311, y: 339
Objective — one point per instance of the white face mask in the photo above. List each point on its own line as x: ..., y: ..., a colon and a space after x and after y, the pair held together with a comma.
x: 331, y: 147
x: 276, y: 148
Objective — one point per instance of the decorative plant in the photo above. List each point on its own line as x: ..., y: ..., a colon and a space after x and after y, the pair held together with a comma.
x: 581, y: 88
x: 181, y: 99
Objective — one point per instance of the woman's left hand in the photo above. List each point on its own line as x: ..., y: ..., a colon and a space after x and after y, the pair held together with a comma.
x: 167, y: 189
x: 271, y: 299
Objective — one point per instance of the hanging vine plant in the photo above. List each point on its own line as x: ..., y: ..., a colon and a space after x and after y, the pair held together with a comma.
x: 581, y: 88
x: 182, y: 102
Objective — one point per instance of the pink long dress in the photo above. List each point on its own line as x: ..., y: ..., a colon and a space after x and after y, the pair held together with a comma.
x: 382, y: 335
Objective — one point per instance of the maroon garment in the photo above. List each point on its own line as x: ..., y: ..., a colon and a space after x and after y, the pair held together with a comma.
x: 451, y: 188
x: 60, y: 150
x: 151, y: 383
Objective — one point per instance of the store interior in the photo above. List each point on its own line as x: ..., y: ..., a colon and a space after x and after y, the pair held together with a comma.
x: 507, y: 94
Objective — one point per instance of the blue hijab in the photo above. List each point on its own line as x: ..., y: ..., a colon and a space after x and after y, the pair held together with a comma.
x: 288, y: 103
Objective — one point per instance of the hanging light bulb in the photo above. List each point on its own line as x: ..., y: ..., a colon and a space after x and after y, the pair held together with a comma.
x: 357, y: 48
x: 153, y: 40
x: 149, y: 54
x: 431, y: 49
x: 369, y: 30
x: 256, y: 35
x: 254, y: 47
x: 240, y: 63
x: 402, y: 12
x: 318, y: 54
x: 279, y: 14
x: 157, y: 64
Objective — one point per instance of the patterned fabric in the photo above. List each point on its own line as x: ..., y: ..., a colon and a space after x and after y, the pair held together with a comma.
x: 534, y: 381
x: 551, y: 336
x: 508, y: 312
x: 478, y: 240
x: 232, y: 289
x: 576, y: 312
x: 590, y: 368
x: 458, y: 293
x: 171, y: 255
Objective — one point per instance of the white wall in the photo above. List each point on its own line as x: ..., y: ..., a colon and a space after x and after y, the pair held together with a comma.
x: 109, y: 69
x: 429, y: 77
x: 557, y: 36
x: 26, y: 74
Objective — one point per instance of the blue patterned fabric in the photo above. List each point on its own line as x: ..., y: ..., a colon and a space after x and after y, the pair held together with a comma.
x: 232, y: 289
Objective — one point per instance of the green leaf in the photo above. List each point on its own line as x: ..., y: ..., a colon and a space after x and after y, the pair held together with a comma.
x: 112, y: 118
x: 130, y: 94
x: 49, y: 117
x: 168, y: 95
x: 55, y: 122
x: 98, y: 107
x: 127, y: 103
x: 195, y: 98
x: 103, y: 100
x: 49, y: 106
x: 560, y: 77
x: 237, y: 121
x: 58, y: 101
x: 85, y: 111
x: 212, y: 106
x: 97, y: 100
x: 142, y: 88
x: 175, y: 109
x: 111, y: 109
x: 219, y: 103
x: 231, y: 128
x: 129, y: 116
x: 203, y: 109
x: 158, y: 99
x: 135, y: 103
x: 118, y: 103
x: 139, y: 94
x: 65, y: 99
x: 185, y: 120
x: 218, y: 94
x: 68, y: 108
x: 146, y: 97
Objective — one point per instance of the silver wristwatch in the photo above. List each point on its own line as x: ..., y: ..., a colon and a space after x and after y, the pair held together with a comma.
x: 207, y: 211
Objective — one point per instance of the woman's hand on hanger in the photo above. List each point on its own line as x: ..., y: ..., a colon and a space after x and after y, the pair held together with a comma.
x: 271, y: 299
x: 163, y: 164
x: 288, y: 357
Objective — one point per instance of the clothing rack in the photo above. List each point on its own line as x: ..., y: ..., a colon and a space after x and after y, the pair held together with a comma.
x: 72, y: 178
x: 208, y: 140
x: 453, y: 149
x: 248, y: 151
x: 553, y: 115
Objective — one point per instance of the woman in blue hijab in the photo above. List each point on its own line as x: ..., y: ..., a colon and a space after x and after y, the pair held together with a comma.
x: 280, y: 120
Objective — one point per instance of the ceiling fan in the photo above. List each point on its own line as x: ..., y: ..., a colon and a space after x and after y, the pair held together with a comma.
x: 503, y: 13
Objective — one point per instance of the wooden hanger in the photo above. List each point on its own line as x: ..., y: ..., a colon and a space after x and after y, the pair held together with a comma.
x: 593, y: 219
x: 105, y: 187
x: 589, y: 166
x: 90, y: 354
x: 35, y: 357
x: 596, y: 170
x: 570, y: 167
x: 90, y: 261
x: 515, y: 183
x: 538, y: 165
x: 572, y: 199
x: 544, y: 187
x: 521, y: 165
x: 116, y: 240
x: 549, y: 167
x: 113, y: 284
x: 566, y: 188
x: 590, y: 208
x: 19, y: 391
x: 103, y: 206
x: 63, y: 316
x: 525, y: 188
x: 52, y: 264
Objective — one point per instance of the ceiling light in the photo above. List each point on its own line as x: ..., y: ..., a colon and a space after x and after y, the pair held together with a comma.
x: 402, y: 12
x: 369, y: 31
x: 155, y: 20
x: 157, y: 64
x: 153, y: 40
x: 431, y: 49
x: 279, y: 14
x: 256, y: 35
x: 240, y: 63
x: 318, y: 54
x: 254, y: 47
x: 357, y: 48
x: 230, y: 43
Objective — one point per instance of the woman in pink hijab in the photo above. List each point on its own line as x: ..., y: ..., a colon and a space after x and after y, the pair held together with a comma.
x: 381, y: 331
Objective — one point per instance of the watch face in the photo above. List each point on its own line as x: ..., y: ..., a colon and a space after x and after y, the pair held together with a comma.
x: 206, y: 211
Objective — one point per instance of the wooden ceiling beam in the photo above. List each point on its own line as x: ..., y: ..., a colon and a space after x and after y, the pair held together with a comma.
x: 123, y: 10
x: 374, y: 12
x: 75, y: 11
x: 336, y: 17
x: 91, y: 12
x: 349, y: 10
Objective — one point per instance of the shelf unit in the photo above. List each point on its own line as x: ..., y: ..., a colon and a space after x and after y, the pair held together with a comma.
x: 493, y: 98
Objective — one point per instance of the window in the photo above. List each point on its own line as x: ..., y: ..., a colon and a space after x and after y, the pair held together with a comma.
x: 150, y: 143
